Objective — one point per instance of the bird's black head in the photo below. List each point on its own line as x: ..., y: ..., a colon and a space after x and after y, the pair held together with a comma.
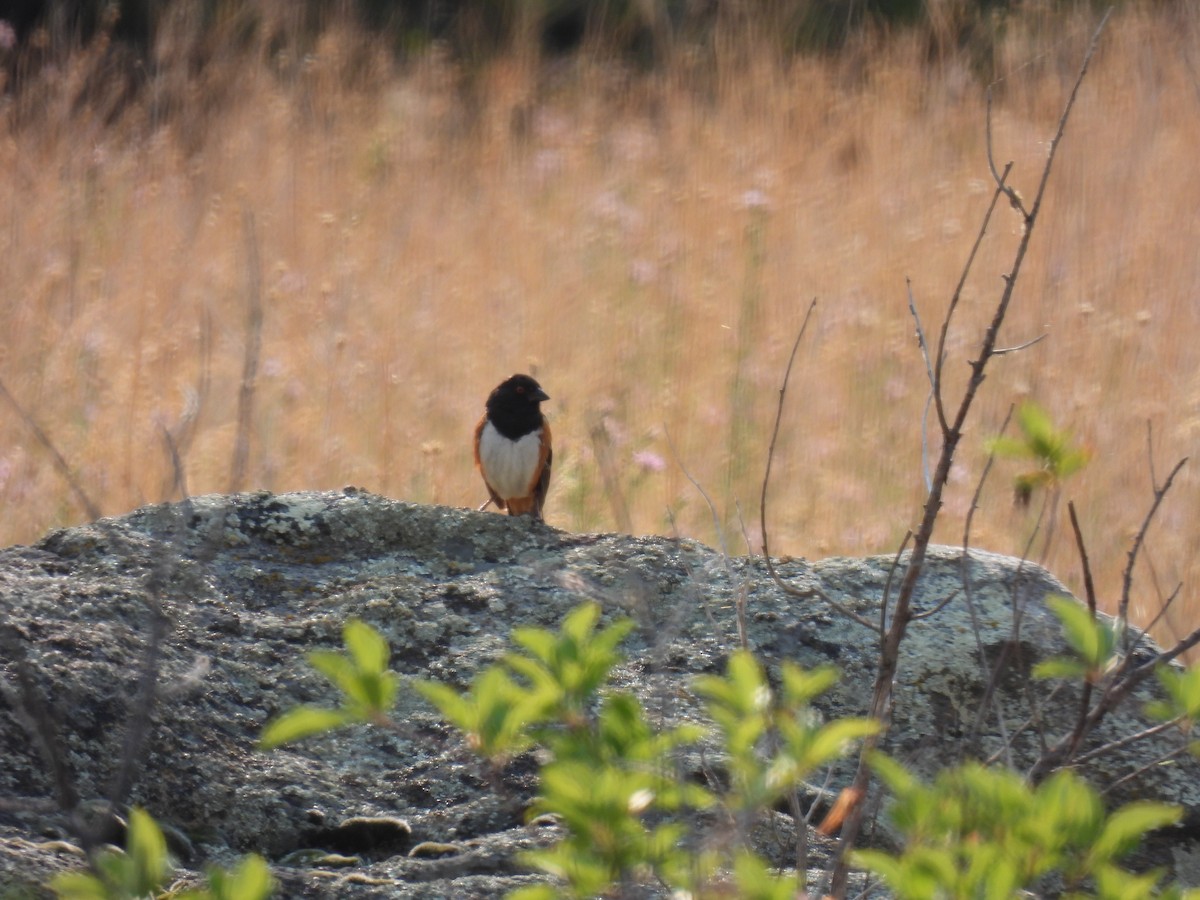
x: 515, y: 406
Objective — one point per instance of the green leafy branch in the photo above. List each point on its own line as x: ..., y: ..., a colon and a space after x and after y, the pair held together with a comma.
x: 368, y: 688
x: 1093, y: 639
x: 1051, y: 452
x: 985, y: 833
x: 143, y: 868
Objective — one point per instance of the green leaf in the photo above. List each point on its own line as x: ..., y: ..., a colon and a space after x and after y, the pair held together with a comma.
x: 494, y: 714
x: 367, y: 646
x: 337, y: 667
x: 801, y: 686
x: 1010, y: 447
x: 1059, y: 667
x: 567, y: 668
x: 302, y: 722
x: 138, y: 871
x: 830, y: 741
x: 534, y: 892
x: 1090, y: 637
x: 1048, y: 449
x: 756, y: 881
x: 79, y: 886
x: 1183, y: 694
x: 901, y: 781
x: 250, y: 880
x: 1128, y: 825
x: 882, y: 864
x: 146, y: 850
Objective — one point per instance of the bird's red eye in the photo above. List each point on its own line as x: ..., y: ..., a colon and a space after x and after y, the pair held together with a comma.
x: 520, y: 390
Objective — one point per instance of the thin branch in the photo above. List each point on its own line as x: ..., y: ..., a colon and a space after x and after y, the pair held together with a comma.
x: 989, y: 692
x: 1138, y: 541
x: 1029, y: 722
x: 921, y: 342
x: 1000, y: 351
x: 941, y: 604
x: 137, y: 729
x: 1066, y: 114
x: 1163, y: 608
x: 602, y: 449
x: 762, y: 509
x: 983, y: 476
x: 712, y: 507
x: 964, y: 577
x: 1031, y: 695
x: 889, y: 651
x: 1150, y: 455
x: 184, y: 431
x: 1089, y: 587
x: 1166, y: 757
x: 1127, y: 740
x: 60, y: 462
x: 887, y: 585
x: 29, y: 708
x: 1013, y: 197
x: 179, y: 477
x: 1085, y: 695
x: 924, y: 345
x: 940, y: 357
x: 254, y: 325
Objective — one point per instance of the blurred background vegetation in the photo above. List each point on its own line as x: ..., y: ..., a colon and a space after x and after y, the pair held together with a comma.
x: 394, y: 205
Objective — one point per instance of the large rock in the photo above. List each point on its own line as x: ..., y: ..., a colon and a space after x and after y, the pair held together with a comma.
x: 248, y: 584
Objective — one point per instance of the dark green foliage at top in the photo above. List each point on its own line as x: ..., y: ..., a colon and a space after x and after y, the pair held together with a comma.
x: 642, y: 33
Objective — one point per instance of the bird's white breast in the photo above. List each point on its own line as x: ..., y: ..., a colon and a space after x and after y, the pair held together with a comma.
x: 508, y: 465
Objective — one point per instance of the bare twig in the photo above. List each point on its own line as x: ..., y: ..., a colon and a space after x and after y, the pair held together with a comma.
x: 1089, y: 586
x: 1150, y: 455
x: 887, y: 585
x: 983, y: 476
x: 1085, y: 695
x: 787, y: 374
x: 1141, y: 770
x: 1013, y: 197
x: 889, y: 651
x: 29, y: 708
x: 743, y: 589
x: 137, y: 729
x: 1138, y: 541
x: 179, y: 478
x: 254, y: 324
x: 762, y: 509
x: 1127, y: 740
x: 968, y: 594
x: 179, y: 437
x: 712, y: 507
x: 60, y: 462
x: 602, y: 447
x: 940, y: 356
x: 1163, y: 609
x: 1008, y: 648
x: 938, y: 607
x: 1000, y: 351
x: 924, y: 345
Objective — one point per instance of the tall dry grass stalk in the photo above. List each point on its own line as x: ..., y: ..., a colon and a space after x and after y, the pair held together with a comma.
x: 645, y: 246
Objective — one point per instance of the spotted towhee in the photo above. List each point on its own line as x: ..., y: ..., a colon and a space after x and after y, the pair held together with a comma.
x: 512, y: 447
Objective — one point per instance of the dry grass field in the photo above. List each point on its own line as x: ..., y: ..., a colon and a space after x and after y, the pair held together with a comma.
x: 646, y: 245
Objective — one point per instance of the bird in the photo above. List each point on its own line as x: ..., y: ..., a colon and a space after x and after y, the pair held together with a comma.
x: 512, y: 447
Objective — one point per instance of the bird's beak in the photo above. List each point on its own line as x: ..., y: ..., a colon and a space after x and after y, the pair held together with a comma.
x: 541, y: 395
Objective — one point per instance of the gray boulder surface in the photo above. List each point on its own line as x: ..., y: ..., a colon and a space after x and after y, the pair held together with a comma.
x: 244, y: 586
